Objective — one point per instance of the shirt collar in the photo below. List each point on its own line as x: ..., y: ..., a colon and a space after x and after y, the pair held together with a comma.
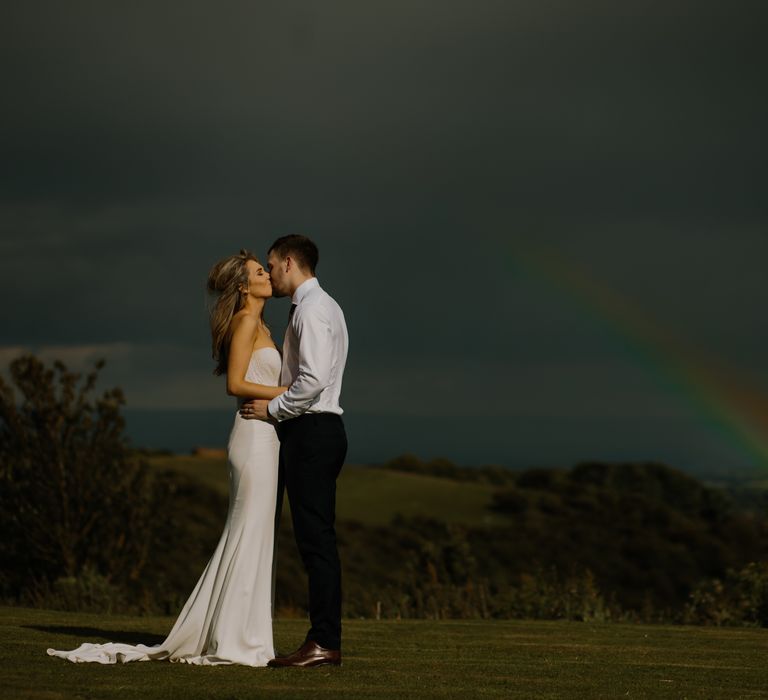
x: 303, y: 289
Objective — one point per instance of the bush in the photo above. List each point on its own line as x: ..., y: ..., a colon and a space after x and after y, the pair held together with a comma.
x: 88, y: 592
x: 76, y: 502
x: 548, y: 596
x: 740, y: 599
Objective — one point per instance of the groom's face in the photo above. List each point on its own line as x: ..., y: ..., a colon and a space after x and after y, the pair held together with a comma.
x: 278, y: 275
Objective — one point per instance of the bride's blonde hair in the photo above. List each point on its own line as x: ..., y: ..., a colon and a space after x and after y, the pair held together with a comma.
x: 226, y: 281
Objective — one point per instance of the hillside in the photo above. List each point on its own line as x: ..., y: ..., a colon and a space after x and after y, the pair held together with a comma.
x: 598, y: 541
x: 369, y: 495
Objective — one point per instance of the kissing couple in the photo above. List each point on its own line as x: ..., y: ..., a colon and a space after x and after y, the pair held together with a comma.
x: 287, y: 435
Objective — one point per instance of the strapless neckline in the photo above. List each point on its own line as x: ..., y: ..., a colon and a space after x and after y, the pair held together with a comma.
x: 266, y: 347
x: 264, y: 366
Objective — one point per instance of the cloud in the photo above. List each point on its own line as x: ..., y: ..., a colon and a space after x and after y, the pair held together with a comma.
x: 153, y: 376
x: 77, y: 358
x: 418, y: 143
x: 582, y: 107
x: 587, y: 389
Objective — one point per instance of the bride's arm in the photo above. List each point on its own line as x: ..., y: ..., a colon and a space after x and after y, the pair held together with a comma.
x: 240, y: 350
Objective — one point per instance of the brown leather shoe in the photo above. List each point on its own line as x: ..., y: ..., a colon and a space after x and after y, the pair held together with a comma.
x: 308, y: 654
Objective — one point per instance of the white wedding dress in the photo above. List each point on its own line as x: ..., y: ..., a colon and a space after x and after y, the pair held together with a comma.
x: 228, y: 617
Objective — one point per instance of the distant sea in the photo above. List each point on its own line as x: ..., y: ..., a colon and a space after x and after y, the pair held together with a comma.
x: 511, y: 442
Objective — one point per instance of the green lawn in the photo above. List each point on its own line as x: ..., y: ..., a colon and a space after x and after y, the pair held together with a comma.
x: 505, y: 659
x: 369, y: 495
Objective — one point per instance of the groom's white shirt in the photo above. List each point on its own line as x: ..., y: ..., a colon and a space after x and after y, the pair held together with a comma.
x: 314, y: 355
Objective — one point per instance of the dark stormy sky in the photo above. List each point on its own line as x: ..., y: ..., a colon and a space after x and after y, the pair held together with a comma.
x: 541, y: 218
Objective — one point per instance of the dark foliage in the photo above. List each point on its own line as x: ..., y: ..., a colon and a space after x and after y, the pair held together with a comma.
x: 74, y: 499
x: 597, y: 542
x: 647, y: 532
x: 739, y: 598
x: 87, y: 526
x: 421, y: 568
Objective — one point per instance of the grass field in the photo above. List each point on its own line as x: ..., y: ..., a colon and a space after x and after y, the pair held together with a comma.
x: 401, y: 659
x: 369, y: 495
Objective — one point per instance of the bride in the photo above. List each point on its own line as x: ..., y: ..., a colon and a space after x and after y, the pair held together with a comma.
x: 227, y: 619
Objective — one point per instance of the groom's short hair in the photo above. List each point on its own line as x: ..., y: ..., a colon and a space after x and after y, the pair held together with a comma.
x: 300, y: 248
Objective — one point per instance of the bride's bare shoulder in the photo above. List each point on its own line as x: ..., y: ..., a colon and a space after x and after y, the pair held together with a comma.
x: 243, y: 322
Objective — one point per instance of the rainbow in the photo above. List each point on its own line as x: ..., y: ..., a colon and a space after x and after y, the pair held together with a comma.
x: 726, y: 403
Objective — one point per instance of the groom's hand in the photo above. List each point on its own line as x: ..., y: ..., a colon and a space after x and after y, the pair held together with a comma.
x: 256, y: 408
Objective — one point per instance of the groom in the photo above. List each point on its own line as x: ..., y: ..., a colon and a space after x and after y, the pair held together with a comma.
x: 313, y: 443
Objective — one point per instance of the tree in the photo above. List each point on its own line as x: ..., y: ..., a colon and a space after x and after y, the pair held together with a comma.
x: 73, y: 495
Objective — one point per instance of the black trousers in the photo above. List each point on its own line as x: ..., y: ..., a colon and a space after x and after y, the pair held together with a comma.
x: 312, y: 451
